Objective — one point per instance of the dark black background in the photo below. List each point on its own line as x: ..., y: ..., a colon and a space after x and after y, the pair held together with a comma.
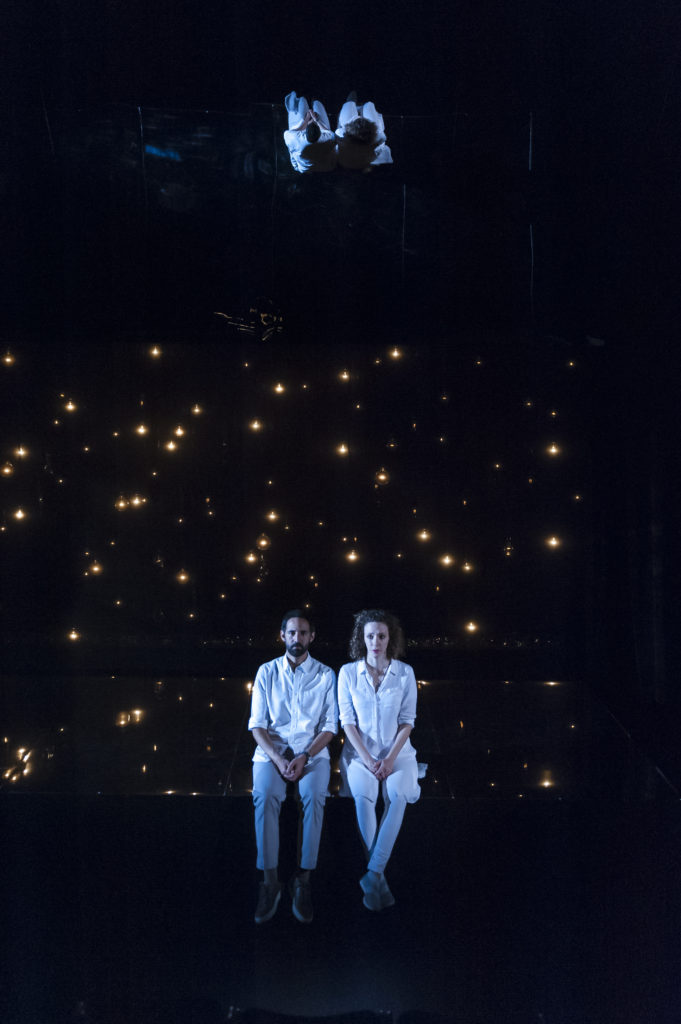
x: 600, y: 86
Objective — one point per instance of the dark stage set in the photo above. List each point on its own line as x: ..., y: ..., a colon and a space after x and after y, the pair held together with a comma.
x: 447, y: 387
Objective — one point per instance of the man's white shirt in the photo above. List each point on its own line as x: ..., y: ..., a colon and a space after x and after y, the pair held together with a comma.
x: 293, y: 706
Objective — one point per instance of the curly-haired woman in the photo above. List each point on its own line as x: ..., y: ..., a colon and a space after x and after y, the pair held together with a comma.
x: 377, y: 704
x: 361, y: 137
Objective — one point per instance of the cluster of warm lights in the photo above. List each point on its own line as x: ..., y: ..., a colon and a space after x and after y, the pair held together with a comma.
x: 134, y: 501
x: 380, y: 478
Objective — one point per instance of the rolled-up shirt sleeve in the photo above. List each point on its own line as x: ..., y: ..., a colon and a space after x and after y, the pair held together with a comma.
x: 407, y: 714
x: 260, y: 718
x: 346, y: 707
x: 328, y: 721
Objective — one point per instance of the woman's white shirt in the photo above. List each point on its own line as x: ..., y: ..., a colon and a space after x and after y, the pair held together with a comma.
x: 377, y: 713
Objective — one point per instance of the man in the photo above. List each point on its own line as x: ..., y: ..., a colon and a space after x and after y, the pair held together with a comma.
x: 294, y: 714
x: 311, y: 143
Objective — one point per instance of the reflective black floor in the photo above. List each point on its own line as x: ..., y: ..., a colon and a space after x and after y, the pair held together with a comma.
x: 538, y: 879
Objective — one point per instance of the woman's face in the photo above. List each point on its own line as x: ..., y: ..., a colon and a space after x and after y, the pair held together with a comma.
x: 376, y: 637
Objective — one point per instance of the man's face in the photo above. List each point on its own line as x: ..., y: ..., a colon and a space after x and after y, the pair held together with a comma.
x: 297, y: 637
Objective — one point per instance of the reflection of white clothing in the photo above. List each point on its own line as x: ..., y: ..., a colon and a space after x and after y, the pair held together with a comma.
x: 378, y: 714
x: 309, y: 156
x: 269, y: 790
x: 359, y: 156
x: 293, y: 706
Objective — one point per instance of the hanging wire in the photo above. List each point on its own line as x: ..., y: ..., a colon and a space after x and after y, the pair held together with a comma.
x: 529, y: 167
x: 272, y: 208
x: 144, y: 170
x: 404, y: 227
x: 47, y: 122
x: 529, y: 155
x: 531, y: 272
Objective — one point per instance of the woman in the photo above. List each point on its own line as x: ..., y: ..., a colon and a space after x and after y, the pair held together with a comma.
x: 377, y: 705
x: 361, y: 137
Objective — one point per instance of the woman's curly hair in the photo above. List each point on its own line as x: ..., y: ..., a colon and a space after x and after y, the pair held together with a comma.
x: 396, y: 643
x: 360, y: 129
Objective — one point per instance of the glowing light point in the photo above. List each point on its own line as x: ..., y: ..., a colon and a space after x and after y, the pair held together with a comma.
x: 471, y: 627
x: 19, y: 514
x: 74, y: 635
x: 141, y: 428
x: 182, y: 576
x: 70, y: 406
x: 196, y: 410
x: 342, y: 449
x: 95, y: 568
x: 255, y: 425
x: 344, y: 375
x: 263, y: 542
x: 279, y: 389
x: 122, y: 503
x: 179, y: 431
x: 467, y: 567
x: 577, y: 497
x: 508, y: 548
x: 352, y: 556
x: 7, y: 469
x: 251, y: 557
x: 382, y: 477
x: 8, y: 359
x: 553, y: 449
x: 553, y: 542
x: 395, y: 353
x: 446, y: 560
x: 155, y: 352
x: 423, y: 535
x: 21, y: 452
x: 272, y: 515
x: 170, y: 446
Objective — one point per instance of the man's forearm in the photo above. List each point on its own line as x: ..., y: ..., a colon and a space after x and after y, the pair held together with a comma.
x: 320, y: 741
x: 261, y: 737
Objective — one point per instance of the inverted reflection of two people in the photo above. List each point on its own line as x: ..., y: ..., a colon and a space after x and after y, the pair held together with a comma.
x: 358, y: 144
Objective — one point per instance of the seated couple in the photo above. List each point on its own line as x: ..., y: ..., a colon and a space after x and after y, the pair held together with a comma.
x: 294, y: 715
x: 358, y: 143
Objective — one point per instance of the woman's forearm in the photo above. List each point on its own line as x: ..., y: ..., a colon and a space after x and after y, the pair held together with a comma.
x: 353, y: 734
x: 400, y: 739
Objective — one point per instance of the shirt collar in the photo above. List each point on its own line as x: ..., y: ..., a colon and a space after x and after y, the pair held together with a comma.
x: 364, y: 668
x: 306, y: 666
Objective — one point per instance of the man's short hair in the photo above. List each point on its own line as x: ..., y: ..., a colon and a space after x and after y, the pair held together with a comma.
x: 312, y: 132
x: 297, y: 613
